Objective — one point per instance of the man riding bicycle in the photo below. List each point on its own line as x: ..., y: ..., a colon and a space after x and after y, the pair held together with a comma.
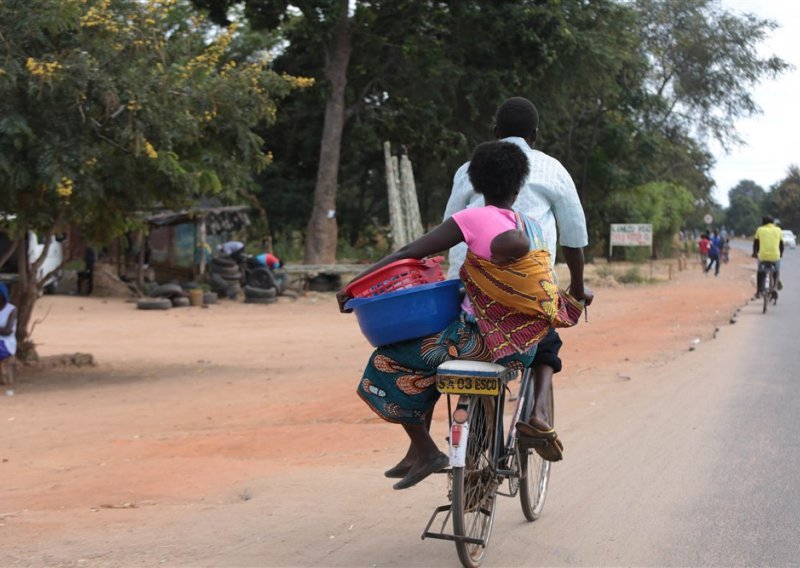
x: 767, y: 248
x: 549, y: 196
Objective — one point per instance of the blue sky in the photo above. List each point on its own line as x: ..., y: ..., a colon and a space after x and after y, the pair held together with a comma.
x: 772, y: 138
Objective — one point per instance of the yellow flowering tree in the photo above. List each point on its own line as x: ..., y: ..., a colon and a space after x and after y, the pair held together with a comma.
x: 111, y: 106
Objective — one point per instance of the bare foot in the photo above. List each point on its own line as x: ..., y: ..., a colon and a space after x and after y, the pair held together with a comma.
x: 422, y: 469
x: 402, y: 468
x: 539, y: 423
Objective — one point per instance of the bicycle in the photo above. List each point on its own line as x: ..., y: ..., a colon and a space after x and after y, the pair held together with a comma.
x: 482, y: 459
x: 769, y: 292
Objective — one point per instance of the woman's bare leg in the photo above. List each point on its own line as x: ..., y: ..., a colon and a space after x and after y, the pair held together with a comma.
x: 404, y: 465
x: 429, y: 459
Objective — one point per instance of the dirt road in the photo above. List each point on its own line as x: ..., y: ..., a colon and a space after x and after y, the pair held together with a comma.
x: 232, y: 436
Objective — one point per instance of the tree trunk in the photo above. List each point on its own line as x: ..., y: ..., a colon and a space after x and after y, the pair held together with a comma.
x: 27, y: 292
x: 399, y: 233
x: 408, y: 190
x: 322, y: 232
x: 30, y: 286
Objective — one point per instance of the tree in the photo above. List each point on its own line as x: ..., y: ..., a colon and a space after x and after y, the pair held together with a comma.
x: 783, y: 200
x: 744, y: 210
x: 743, y: 214
x: 611, y: 80
x: 663, y: 204
x: 703, y: 65
x: 330, y: 22
x: 111, y: 106
x: 748, y: 188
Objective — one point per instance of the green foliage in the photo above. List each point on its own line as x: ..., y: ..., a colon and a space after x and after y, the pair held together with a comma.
x: 664, y: 205
x: 783, y: 201
x: 632, y: 276
x: 429, y: 76
x: 704, y: 64
x: 748, y: 188
x: 109, y: 106
x: 743, y: 214
x: 112, y: 106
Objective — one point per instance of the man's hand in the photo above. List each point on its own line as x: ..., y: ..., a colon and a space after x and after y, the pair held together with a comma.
x: 342, y: 298
x: 582, y: 294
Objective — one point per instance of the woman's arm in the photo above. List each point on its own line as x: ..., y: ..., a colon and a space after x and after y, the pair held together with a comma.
x: 441, y: 238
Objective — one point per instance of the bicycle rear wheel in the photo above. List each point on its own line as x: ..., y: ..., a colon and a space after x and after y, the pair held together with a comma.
x: 534, y: 471
x: 767, y: 292
x: 474, y: 490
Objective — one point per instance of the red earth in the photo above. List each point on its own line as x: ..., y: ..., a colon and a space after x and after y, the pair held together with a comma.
x: 190, y: 408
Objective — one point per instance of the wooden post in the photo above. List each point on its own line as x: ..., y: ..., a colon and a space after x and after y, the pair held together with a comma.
x: 140, y: 240
x: 670, y: 271
x: 395, y: 202
x: 408, y: 192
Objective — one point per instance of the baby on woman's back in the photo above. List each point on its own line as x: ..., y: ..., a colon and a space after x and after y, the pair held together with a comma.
x: 509, y: 246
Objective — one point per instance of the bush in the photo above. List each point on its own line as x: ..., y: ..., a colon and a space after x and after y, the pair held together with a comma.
x: 632, y: 276
x: 605, y: 271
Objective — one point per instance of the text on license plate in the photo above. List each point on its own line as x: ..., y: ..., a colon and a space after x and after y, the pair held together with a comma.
x: 468, y: 385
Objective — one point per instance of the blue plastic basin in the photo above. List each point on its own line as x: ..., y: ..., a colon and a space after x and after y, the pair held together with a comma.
x: 407, y: 314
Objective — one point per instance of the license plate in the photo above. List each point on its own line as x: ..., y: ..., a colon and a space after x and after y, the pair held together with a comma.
x: 468, y: 385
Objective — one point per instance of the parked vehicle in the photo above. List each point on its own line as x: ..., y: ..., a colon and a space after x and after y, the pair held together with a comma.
x: 52, y: 262
x: 789, y: 239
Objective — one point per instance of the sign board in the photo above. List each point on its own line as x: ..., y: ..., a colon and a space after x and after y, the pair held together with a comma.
x: 708, y: 219
x: 631, y: 235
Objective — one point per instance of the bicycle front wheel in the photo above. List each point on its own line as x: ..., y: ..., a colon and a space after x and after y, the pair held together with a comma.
x: 474, y: 490
x: 534, y: 473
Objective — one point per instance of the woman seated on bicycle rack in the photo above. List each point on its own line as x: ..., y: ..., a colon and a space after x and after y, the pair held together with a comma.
x: 512, y: 302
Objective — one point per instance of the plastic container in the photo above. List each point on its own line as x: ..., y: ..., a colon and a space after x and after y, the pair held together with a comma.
x: 398, y: 275
x: 407, y: 314
x: 196, y: 297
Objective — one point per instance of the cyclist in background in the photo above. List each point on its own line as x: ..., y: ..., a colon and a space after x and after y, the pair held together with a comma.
x: 767, y: 247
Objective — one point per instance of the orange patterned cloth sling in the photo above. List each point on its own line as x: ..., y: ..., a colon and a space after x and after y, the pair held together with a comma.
x: 517, y: 303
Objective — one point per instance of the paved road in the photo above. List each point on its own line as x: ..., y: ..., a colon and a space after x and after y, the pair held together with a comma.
x: 690, y: 464
x: 695, y: 464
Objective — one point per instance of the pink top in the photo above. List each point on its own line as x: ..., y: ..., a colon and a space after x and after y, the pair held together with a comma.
x: 480, y: 225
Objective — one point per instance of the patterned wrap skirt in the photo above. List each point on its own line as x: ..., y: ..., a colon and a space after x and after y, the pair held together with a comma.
x: 399, y: 383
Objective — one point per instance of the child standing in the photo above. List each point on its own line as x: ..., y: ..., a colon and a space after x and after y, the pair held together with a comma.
x: 8, y: 327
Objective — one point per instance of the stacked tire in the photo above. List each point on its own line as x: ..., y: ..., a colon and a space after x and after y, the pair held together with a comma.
x: 164, y: 297
x: 261, y: 286
x: 225, y: 277
x: 255, y: 295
